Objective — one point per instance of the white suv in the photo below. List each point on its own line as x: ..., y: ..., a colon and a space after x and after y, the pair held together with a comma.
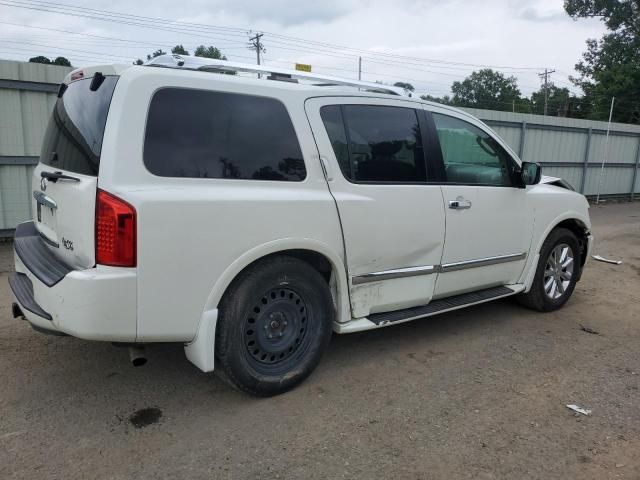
x: 249, y: 218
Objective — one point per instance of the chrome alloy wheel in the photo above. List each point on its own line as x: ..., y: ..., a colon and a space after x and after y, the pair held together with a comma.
x: 558, y: 271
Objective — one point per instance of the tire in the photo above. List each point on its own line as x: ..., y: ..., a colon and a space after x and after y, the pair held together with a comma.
x: 553, y: 286
x: 274, y: 324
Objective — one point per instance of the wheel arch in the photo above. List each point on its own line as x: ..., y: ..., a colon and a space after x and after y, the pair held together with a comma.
x: 321, y: 257
x: 580, y: 230
x: 573, y: 221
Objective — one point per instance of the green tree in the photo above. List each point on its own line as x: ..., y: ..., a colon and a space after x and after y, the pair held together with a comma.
x: 201, y: 51
x: 179, y: 50
x: 488, y: 89
x: 62, y: 61
x: 157, y: 53
x: 446, y: 100
x: 610, y: 67
x: 40, y: 59
x: 209, y: 52
x: 406, y: 86
x: 153, y: 55
x: 561, y: 103
x: 58, y: 61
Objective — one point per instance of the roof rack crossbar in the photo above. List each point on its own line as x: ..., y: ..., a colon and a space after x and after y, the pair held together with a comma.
x: 209, y: 64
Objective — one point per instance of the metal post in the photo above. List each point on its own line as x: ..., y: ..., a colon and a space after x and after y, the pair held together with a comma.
x: 635, y: 172
x: 523, y: 134
x: 585, y: 165
x: 359, y: 68
x: 606, y: 150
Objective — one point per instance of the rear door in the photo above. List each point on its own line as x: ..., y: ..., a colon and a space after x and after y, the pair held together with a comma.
x: 66, y: 178
x: 392, y: 218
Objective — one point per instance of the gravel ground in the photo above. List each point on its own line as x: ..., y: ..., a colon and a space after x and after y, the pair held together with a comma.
x: 478, y: 393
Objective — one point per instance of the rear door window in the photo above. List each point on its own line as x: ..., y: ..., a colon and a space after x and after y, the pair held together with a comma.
x: 375, y: 143
x: 204, y: 134
x: 73, y: 140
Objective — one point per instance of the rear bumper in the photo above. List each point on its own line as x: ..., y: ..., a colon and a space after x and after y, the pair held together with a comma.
x: 95, y: 304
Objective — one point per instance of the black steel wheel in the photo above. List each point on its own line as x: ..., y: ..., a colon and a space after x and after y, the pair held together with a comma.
x: 274, y: 323
x: 276, y: 330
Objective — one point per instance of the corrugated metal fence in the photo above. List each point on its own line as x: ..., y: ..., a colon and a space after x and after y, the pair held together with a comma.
x: 567, y: 148
x: 27, y: 96
x: 573, y: 149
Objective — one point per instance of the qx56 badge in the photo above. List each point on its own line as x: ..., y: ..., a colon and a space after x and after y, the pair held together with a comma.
x: 68, y: 244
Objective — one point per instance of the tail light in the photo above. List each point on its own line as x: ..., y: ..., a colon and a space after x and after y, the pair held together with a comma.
x: 115, y: 231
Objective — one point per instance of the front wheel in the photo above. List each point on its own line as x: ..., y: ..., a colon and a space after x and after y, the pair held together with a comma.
x: 274, y: 324
x: 557, y: 272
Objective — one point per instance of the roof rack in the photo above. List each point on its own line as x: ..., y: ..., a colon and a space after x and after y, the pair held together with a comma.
x: 212, y: 65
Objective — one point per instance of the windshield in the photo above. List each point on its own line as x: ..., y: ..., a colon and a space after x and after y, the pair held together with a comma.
x: 73, y: 140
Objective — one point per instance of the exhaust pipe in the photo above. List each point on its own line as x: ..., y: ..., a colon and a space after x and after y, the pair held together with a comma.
x: 137, y: 355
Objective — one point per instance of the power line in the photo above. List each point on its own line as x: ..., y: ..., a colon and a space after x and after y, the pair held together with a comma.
x: 197, y: 29
x: 148, y: 42
x: 281, y: 41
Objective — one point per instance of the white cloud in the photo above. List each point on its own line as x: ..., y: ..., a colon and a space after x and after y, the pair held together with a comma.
x: 504, y: 33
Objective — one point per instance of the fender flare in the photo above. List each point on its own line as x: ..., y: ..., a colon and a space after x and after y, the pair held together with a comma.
x: 201, y: 350
x: 282, y: 245
x: 534, y: 254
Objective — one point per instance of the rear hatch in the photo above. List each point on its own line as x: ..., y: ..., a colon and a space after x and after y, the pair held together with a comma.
x: 66, y: 178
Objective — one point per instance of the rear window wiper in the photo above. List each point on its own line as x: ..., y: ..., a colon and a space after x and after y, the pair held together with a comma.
x: 55, y: 176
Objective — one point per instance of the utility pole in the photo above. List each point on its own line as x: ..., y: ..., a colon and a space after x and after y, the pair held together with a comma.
x: 254, y: 42
x: 257, y: 44
x: 359, y: 68
x: 545, y: 75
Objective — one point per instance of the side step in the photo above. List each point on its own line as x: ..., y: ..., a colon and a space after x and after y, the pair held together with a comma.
x: 441, y: 305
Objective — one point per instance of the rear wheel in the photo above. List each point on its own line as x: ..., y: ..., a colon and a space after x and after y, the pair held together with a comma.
x: 557, y: 272
x: 274, y: 324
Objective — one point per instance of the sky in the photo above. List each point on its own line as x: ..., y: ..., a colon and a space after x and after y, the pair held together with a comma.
x: 428, y: 43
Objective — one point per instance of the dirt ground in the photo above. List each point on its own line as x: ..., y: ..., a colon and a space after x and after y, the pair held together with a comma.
x: 479, y: 393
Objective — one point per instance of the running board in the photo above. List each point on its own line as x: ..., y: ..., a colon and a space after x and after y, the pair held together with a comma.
x: 437, y: 306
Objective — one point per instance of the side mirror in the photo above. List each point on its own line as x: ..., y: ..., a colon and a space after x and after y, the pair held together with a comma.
x: 530, y: 173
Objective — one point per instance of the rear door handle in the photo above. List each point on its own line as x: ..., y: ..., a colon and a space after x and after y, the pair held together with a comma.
x: 45, y: 200
x: 459, y: 204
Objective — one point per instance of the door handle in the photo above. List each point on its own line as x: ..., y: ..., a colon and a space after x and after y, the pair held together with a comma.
x: 45, y: 200
x: 326, y: 169
x: 459, y: 204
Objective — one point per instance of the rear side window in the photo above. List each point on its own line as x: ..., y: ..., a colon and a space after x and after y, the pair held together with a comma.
x: 376, y: 143
x: 203, y: 134
x: 73, y: 140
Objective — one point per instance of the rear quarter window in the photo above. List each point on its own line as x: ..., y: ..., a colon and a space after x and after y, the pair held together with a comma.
x: 204, y: 134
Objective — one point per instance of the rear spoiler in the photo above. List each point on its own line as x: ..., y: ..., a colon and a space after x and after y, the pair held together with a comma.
x: 88, y: 72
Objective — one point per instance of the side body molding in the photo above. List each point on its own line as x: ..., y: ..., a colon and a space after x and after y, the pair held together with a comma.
x: 429, y: 269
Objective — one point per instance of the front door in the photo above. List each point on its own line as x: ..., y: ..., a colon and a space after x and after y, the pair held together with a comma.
x: 488, y: 221
x: 392, y: 218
